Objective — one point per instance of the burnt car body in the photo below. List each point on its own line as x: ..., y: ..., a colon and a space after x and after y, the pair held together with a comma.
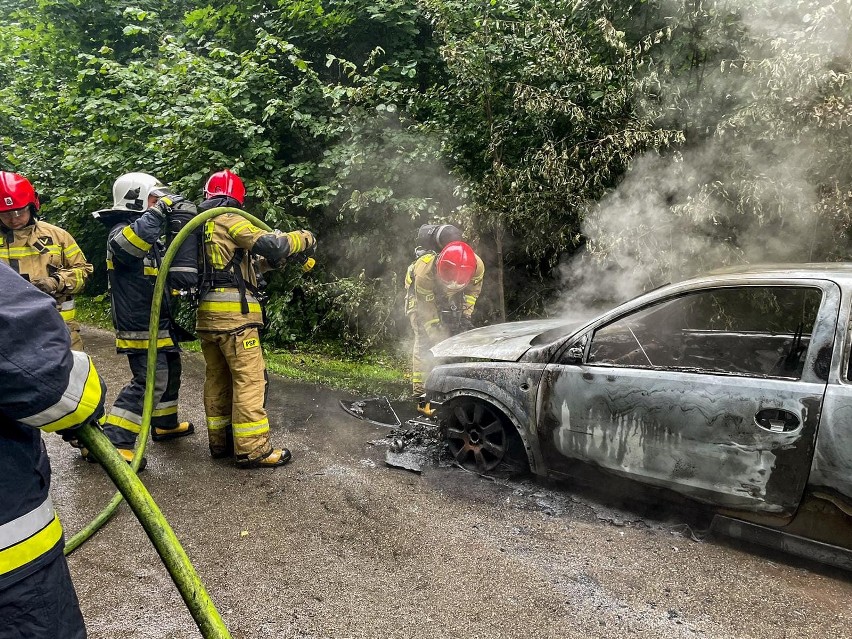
x: 732, y: 389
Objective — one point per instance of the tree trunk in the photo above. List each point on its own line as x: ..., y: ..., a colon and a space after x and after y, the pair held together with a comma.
x: 501, y: 291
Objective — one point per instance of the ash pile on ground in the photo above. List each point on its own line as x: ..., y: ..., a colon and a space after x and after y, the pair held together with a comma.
x: 415, y: 445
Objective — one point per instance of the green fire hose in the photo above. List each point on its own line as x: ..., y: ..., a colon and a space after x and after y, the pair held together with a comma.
x: 132, y: 489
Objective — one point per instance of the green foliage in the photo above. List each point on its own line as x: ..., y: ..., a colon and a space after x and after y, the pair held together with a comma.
x: 538, y: 117
x: 651, y: 136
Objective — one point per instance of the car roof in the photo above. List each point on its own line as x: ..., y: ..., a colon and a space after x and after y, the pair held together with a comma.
x: 838, y: 271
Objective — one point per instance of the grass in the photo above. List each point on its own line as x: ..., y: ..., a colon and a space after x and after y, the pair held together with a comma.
x: 323, y: 363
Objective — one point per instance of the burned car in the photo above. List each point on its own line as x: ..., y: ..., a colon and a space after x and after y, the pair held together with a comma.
x: 732, y: 389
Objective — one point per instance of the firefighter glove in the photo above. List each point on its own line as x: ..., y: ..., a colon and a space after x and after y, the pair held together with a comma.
x: 70, y: 434
x: 49, y: 285
x: 164, y: 205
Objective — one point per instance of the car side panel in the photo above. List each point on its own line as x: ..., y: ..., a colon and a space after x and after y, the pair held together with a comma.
x: 694, y: 434
x: 832, y: 465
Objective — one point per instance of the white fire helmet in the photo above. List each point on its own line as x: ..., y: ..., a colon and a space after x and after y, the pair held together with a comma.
x: 131, y: 191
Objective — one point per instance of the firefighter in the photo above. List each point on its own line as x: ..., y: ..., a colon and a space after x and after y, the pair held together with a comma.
x: 230, y: 316
x: 44, y: 386
x: 41, y: 253
x: 141, y: 205
x: 441, y: 290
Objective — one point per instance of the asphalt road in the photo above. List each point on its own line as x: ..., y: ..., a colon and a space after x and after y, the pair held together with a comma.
x: 336, y: 544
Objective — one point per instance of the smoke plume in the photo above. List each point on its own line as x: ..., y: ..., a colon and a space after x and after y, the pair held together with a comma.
x: 757, y: 178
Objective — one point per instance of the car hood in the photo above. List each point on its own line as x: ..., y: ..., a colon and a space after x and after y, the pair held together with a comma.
x: 502, y: 342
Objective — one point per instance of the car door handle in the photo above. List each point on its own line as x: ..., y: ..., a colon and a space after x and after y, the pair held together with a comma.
x: 776, y: 420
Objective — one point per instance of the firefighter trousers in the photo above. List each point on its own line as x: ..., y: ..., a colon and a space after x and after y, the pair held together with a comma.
x: 421, y: 357
x: 125, y: 417
x: 235, y: 385
x: 74, y: 331
x: 42, y: 605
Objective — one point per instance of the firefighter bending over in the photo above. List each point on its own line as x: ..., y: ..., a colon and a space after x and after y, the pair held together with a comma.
x: 441, y: 290
x: 44, y: 386
x: 141, y: 205
x: 230, y: 315
x: 41, y: 253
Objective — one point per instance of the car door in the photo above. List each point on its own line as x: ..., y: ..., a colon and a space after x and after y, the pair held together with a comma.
x: 715, y: 393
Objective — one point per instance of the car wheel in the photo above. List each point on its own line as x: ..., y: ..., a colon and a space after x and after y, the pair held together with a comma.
x: 478, y: 436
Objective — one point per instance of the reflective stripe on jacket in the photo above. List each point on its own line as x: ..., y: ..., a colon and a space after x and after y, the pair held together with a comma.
x: 134, y: 253
x: 41, y: 250
x: 43, y: 386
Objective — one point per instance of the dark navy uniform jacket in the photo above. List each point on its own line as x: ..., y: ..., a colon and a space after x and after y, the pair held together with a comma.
x: 134, y: 254
x: 44, y: 386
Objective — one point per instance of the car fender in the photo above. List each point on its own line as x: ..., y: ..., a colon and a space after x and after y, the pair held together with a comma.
x: 518, y: 408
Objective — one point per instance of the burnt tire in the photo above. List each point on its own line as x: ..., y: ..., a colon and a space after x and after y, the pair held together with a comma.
x: 480, y: 438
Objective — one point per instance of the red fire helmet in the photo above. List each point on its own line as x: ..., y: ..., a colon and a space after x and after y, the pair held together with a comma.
x: 456, y: 265
x: 16, y: 192
x: 225, y: 183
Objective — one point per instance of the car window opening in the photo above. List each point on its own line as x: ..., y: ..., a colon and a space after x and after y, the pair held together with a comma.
x: 752, y: 330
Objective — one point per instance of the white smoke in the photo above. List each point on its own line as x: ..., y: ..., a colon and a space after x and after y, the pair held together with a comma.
x: 678, y: 214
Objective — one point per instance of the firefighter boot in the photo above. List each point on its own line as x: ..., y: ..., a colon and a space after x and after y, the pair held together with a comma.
x: 424, y: 407
x: 272, y: 459
x: 165, y: 434
x: 219, y: 450
x: 127, y: 455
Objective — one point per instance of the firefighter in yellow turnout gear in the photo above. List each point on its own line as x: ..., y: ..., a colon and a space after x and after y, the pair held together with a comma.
x: 41, y: 253
x: 441, y: 290
x: 229, y: 316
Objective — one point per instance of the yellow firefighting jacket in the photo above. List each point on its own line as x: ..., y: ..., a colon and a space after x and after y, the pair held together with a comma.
x: 226, y: 237
x: 430, y: 300
x: 40, y: 250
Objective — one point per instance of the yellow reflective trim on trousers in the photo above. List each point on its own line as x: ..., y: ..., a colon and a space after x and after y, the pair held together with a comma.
x: 228, y: 307
x: 89, y: 399
x: 142, y: 343
x: 218, y: 423
x: 122, y: 422
x: 31, y: 548
x: 68, y: 315
x: 134, y: 239
x: 250, y: 429
x: 169, y: 410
